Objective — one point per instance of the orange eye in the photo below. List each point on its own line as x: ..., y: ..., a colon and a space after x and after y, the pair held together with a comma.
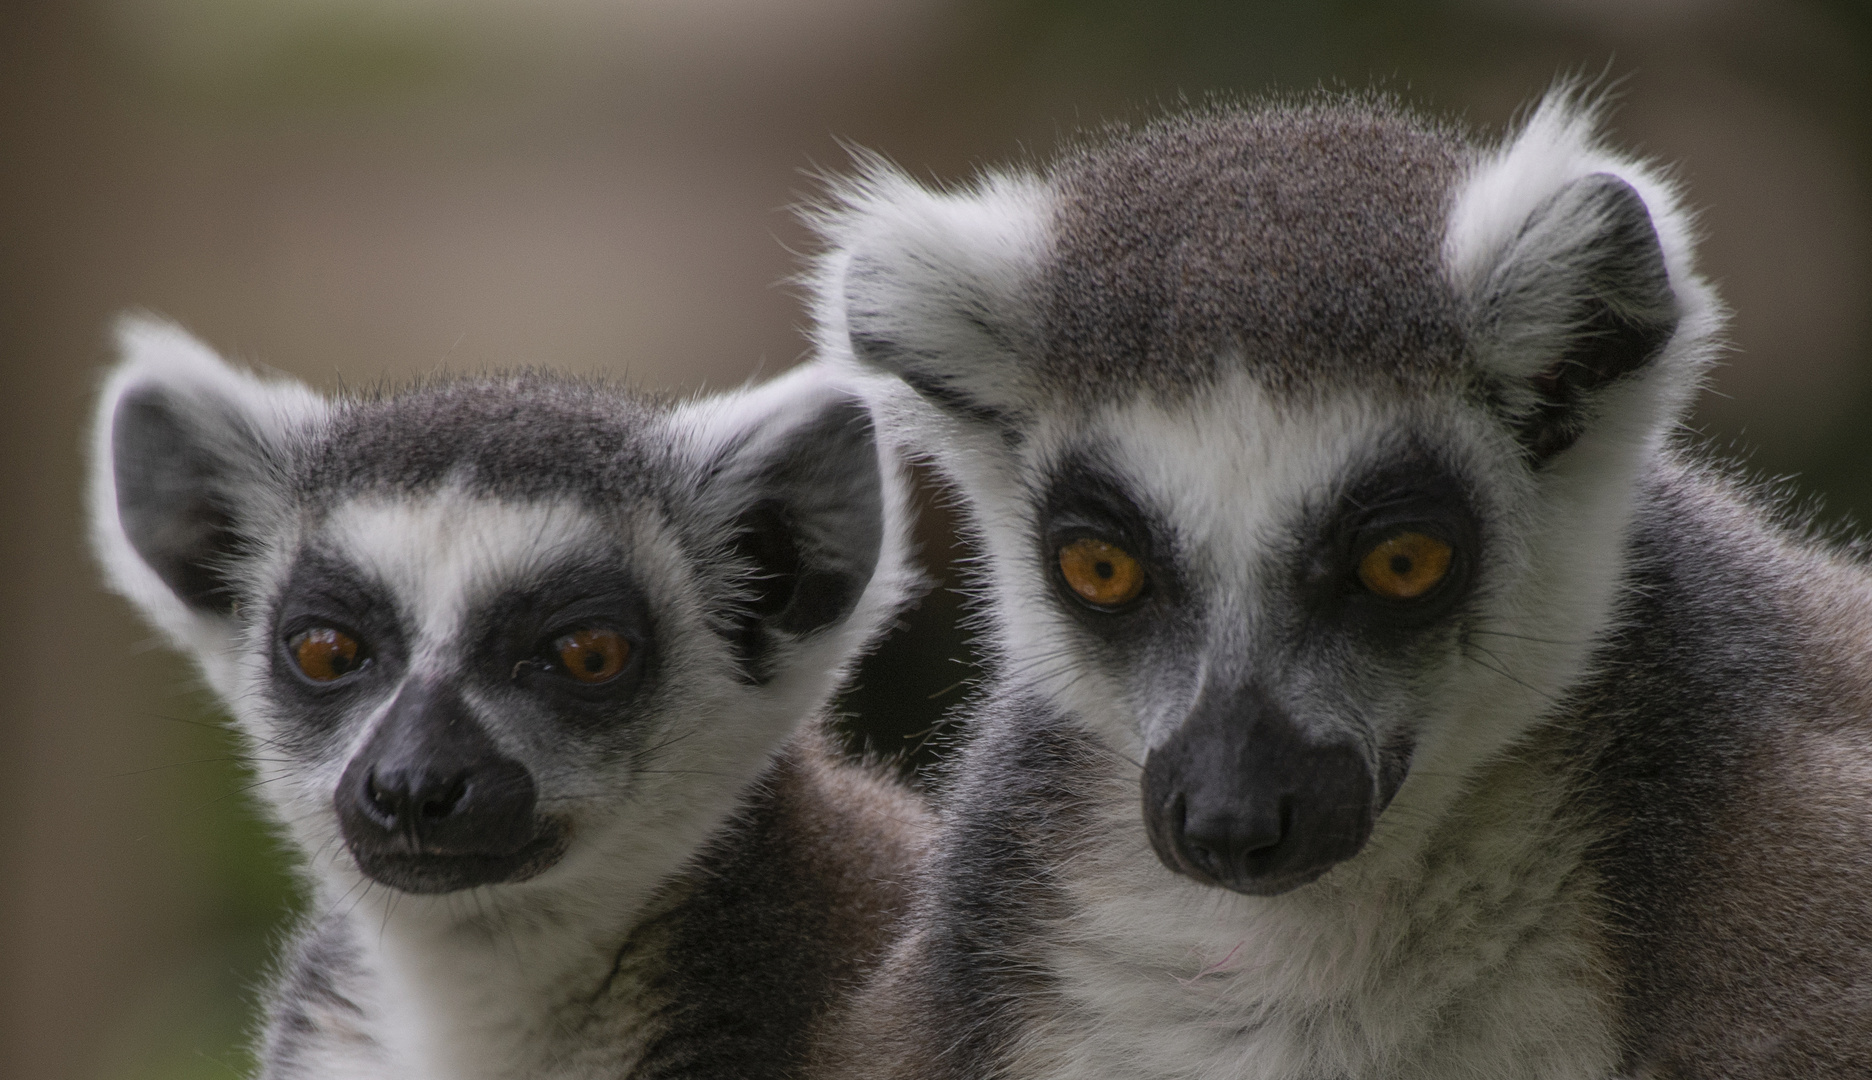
x: 1101, y: 573
x: 325, y: 654
x: 1406, y: 566
x: 593, y: 656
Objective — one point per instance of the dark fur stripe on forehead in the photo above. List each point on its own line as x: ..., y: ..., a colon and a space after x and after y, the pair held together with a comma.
x: 1301, y: 239
x: 529, y: 435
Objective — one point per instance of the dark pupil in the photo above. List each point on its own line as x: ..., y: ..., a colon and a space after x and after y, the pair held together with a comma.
x: 1400, y: 565
x: 340, y: 662
x: 594, y: 661
x: 1103, y: 569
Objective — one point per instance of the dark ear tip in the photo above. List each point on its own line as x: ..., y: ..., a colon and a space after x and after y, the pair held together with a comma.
x: 171, y: 499
x: 1608, y: 186
x: 843, y: 437
x: 1602, y: 254
x: 813, y: 529
x: 1621, y: 210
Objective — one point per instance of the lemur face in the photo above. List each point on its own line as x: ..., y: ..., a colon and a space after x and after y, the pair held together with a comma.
x: 520, y: 633
x: 1300, y: 440
x: 466, y: 686
x: 1266, y: 606
x: 1270, y: 605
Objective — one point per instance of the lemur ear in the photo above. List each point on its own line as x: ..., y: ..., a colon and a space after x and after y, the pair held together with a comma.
x: 795, y: 486
x: 932, y: 287
x: 186, y: 454
x: 1578, y: 300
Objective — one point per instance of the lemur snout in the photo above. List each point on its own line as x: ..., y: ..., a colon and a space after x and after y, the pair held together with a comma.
x: 410, y: 801
x: 431, y: 805
x: 1243, y: 797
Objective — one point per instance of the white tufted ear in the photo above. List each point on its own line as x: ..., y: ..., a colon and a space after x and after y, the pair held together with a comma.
x: 1576, y: 265
x: 932, y: 287
x: 186, y: 455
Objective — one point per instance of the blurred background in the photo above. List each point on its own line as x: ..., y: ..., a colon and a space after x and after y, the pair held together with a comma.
x: 363, y: 190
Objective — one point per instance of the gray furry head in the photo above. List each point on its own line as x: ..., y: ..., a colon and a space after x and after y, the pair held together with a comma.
x: 1286, y: 239
x: 527, y: 634
x: 1334, y: 241
x: 1255, y: 349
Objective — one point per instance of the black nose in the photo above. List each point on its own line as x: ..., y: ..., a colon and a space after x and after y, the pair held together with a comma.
x: 430, y: 804
x: 414, y: 801
x: 1227, y: 842
x: 1245, y: 798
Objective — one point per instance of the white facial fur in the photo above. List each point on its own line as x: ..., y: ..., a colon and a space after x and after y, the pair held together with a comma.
x: 1231, y: 475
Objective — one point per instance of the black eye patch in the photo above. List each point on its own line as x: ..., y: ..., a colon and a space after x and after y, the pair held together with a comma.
x: 323, y: 589
x: 1085, y: 505
x: 1396, y: 549
x: 326, y: 597
x: 520, y: 636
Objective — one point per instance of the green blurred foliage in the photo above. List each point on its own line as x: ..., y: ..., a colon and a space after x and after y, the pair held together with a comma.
x: 200, y: 1025
x: 259, y: 58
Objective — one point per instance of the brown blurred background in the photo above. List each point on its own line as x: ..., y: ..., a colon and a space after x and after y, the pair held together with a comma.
x: 362, y: 190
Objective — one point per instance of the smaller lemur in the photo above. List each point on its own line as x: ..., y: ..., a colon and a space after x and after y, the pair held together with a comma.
x: 517, y: 660
x: 1387, y: 689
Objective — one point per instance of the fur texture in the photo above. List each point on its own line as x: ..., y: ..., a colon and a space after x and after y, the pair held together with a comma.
x: 1247, y: 349
x: 515, y: 659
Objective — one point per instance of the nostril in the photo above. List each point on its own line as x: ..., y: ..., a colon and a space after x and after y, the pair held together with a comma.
x: 1201, y: 851
x: 430, y: 799
x: 1206, y: 860
x: 381, y: 799
x: 442, y: 802
x: 1283, y: 828
x: 399, y: 800
x: 1226, y: 842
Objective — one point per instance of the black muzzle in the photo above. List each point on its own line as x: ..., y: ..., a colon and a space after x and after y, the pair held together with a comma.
x: 1245, y: 798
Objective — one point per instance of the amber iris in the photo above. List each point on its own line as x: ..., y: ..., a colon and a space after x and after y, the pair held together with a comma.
x: 1406, y: 566
x: 1102, y: 574
x: 325, y: 653
x: 593, y: 656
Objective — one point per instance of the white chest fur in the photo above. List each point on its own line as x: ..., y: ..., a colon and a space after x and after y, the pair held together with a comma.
x: 1472, y: 955
x: 469, y: 1003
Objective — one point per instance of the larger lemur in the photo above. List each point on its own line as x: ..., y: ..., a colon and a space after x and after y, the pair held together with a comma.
x: 1388, y: 689
x: 515, y: 657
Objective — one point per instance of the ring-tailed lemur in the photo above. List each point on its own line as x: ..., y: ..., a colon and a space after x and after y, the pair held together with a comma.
x: 1388, y: 690
x: 514, y: 656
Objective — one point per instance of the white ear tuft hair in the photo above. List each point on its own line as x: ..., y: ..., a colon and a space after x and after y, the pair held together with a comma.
x: 912, y: 273
x: 1560, y: 244
x: 1558, y: 144
x: 177, y: 435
